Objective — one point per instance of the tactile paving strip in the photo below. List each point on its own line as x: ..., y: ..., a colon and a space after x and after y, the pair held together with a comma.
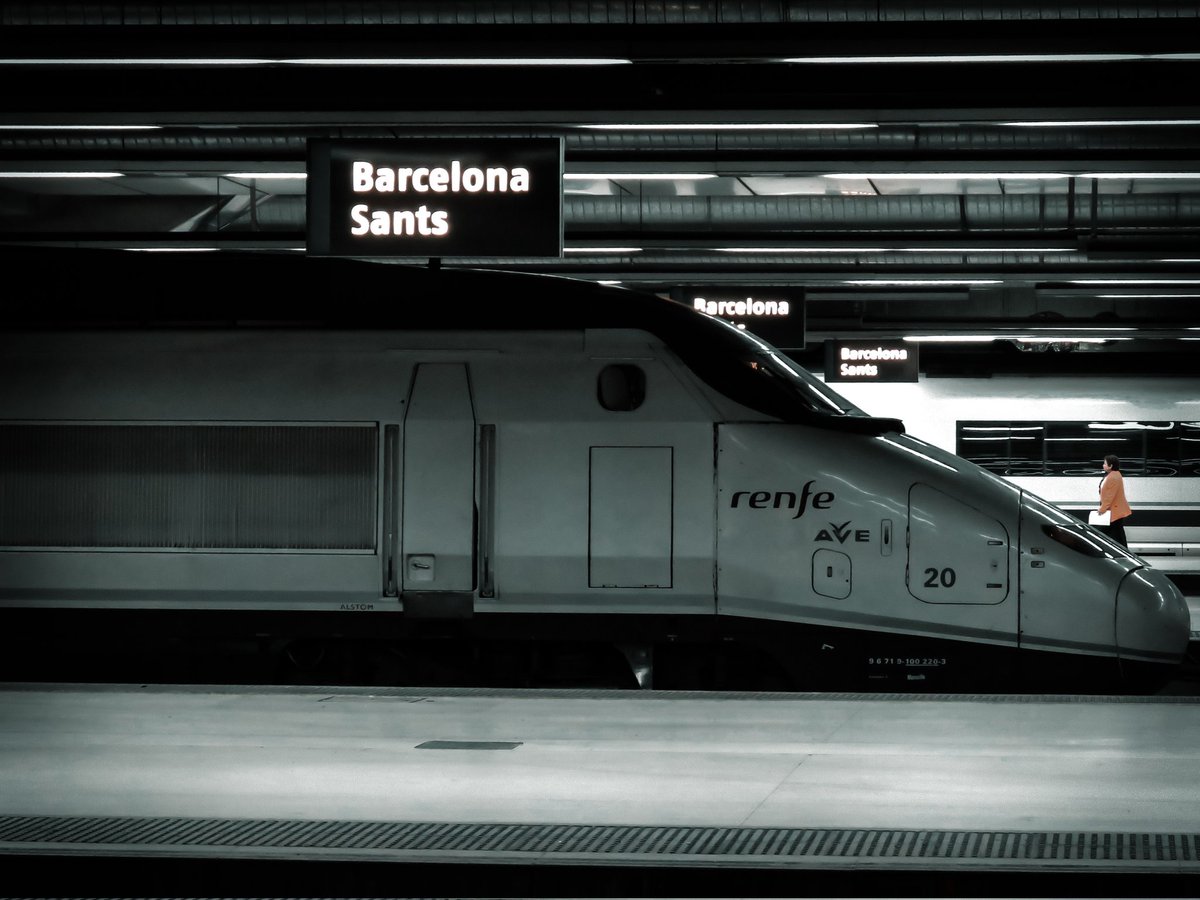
x: 601, y: 844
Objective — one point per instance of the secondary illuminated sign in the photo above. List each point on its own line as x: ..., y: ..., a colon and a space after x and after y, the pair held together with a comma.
x: 774, y: 314
x: 885, y: 362
x: 435, y: 198
x: 748, y: 306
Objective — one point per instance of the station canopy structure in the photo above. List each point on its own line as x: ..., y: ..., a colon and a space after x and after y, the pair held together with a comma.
x: 1001, y: 170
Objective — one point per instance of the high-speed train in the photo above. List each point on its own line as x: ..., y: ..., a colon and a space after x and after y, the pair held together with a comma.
x: 1047, y: 434
x: 524, y: 475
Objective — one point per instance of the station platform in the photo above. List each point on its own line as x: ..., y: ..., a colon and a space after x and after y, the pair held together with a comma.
x: 808, y: 784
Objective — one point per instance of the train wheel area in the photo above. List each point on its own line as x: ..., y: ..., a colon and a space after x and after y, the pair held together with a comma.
x: 383, y: 651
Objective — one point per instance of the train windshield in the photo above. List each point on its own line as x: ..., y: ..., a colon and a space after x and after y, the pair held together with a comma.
x: 737, y: 363
x: 1068, y: 530
x: 822, y: 396
x: 763, y: 378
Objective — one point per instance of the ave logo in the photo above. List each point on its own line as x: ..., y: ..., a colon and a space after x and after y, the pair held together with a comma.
x: 842, y: 533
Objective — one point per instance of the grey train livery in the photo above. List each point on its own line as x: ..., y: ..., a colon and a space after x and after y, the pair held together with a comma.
x: 523, y: 476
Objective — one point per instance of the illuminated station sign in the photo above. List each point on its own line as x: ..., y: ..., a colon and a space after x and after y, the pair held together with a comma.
x: 885, y: 362
x: 435, y: 198
x: 774, y: 314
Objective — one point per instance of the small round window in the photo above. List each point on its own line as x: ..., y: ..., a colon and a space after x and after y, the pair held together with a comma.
x: 621, y: 387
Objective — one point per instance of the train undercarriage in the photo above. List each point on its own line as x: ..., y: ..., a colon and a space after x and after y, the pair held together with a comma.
x: 530, y: 651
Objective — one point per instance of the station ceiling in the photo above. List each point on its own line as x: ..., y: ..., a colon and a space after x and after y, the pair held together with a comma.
x: 999, y: 168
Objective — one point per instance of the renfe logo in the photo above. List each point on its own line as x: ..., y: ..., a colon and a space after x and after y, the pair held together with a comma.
x: 784, y: 499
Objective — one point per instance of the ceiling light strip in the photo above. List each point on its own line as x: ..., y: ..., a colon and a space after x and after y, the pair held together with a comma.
x: 80, y: 127
x: 1098, y: 123
x: 726, y: 126
x: 320, y: 61
x: 62, y: 174
x: 602, y: 249
x: 1007, y: 176
x: 948, y: 176
x: 636, y: 176
x: 896, y: 249
x: 464, y: 61
x: 990, y: 58
x: 278, y: 176
x: 1020, y: 338
x: 1131, y: 282
x: 921, y: 282
x: 1125, y: 175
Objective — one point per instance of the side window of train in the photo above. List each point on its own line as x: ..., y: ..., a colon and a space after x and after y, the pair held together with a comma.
x: 1072, y: 539
x: 621, y: 387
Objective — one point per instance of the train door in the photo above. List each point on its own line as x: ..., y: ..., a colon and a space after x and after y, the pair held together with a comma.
x: 630, y: 517
x: 438, y: 505
x: 956, y: 553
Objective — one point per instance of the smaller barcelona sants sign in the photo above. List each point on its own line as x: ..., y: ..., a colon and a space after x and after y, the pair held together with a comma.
x: 774, y: 314
x: 435, y: 198
x: 884, y: 362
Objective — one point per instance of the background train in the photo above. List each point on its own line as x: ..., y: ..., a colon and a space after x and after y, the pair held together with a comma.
x: 464, y: 477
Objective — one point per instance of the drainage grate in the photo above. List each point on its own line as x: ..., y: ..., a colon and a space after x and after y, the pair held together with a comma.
x: 469, y: 745
x: 599, y: 844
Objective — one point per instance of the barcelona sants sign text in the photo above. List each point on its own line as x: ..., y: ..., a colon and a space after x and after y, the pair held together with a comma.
x: 435, y: 198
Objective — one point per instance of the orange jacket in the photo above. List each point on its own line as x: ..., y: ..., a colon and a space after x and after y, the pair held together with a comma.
x: 1112, y: 496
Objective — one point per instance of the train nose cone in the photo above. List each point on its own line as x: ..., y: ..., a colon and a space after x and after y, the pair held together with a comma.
x: 1153, y: 622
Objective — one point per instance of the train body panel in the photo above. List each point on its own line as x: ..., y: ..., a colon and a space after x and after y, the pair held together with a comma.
x: 836, y: 510
x: 646, y: 487
x: 596, y: 509
x: 1150, y: 616
x: 1068, y: 591
x: 563, y: 469
x: 609, y: 521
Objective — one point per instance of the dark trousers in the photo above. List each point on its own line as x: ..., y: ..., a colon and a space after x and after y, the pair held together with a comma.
x: 1116, y: 531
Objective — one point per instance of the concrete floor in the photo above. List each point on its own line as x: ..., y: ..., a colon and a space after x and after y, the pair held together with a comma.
x: 601, y: 758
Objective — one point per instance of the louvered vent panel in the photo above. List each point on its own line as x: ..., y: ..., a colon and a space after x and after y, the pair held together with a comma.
x: 573, y: 12
x: 302, y: 13
x: 188, y: 486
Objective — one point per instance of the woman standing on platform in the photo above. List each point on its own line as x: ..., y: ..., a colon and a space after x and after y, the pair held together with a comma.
x: 1112, y: 500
